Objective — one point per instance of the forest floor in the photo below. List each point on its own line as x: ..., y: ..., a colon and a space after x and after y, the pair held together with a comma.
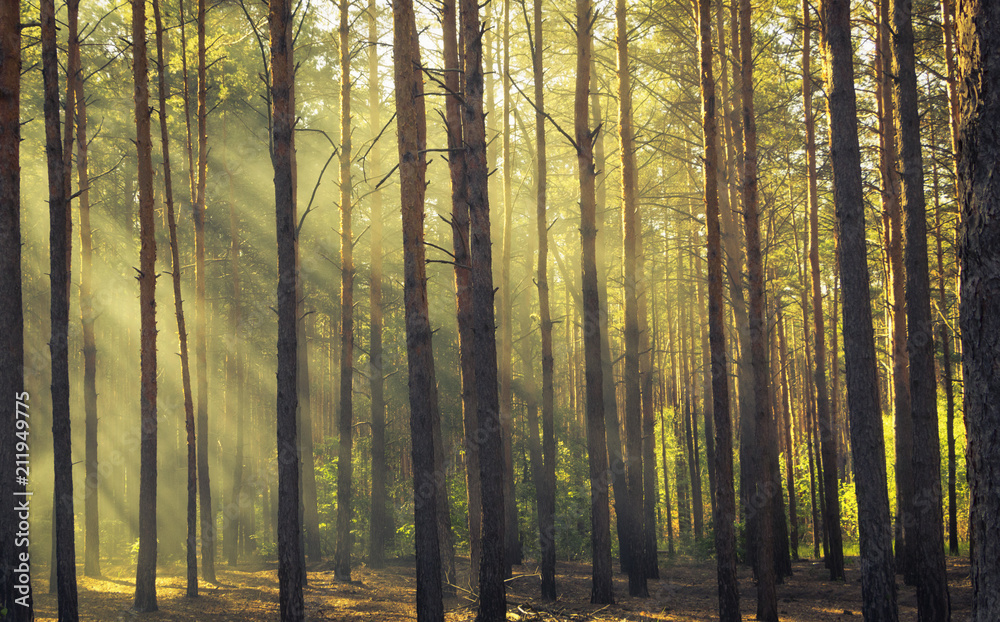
x: 686, y: 592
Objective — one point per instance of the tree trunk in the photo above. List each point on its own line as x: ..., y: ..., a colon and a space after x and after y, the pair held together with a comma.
x: 633, y: 558
x: 11, y: 311
x: 175, y: 273
x: 235, y: 374
x: 290, y: 568
x: 547, y: 494
x: 463, y: 279
x: 200, y: 330
x: 724, y: 513
x: 827, y: 425
x: 878, y: 587
x: 492, y: 591
x: 932, y: 585
x: 145, y: 581
x: 379, y: 518
x: 412, y: 134
x: 601, y: 591
x: 786, y: 410
x: 767, y: 606
x: 345, y: 469
x: 979, y: 125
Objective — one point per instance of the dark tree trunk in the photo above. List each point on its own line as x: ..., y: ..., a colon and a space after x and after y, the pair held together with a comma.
x: 463, y: 279
x: 786, y: 422
x: 200, y: 327
x: 827, y: 424
x: 979, y: 196
x: 59, y: 277
x: 878, y: 587
x: 235, y: 375
x: 762, y: 501
x: 632, y: 559
x: 928, y: 551
x: 345, y: 468
x: 547, y: 492
x: 601, y: 591
x: 290, y: 567
x: 175, y: 273
x: 145, y: 581
x: 412, y: 133
x: 492, y: 591
x: 379, y: 518
x: 11, y: 312
x: 724, y: 515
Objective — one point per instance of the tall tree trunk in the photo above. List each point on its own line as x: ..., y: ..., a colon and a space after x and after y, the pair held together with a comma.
x: 897, y: 308
x: 979, y: 197
x: 767, y: 605
x: 235, y: 374
x: 512, y: 544
x: 932, y: 584
x: 59, y: 276
x: 145, y: 580
x: 11, y: 311
x: 345, y: 469
x: 827, y: 425
x: 412, y: 134
x: 878, y: 587
x: 74, y: 78
x: 379, y: 517
x: 200, y: 327
x: 492, y: 591
x: 633, y: 559
x: 182, y: 335
x: 463, y: 278
x: 946, y: 373
x: 547, y: 494
x: 786, y: 422
x: 290, y: 567
x: 724, y: 514
x: 601, y: 591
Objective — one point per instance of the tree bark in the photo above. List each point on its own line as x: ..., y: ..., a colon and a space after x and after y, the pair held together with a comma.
x: 145, y: 581
x: 11, y: 311
x: 379, y: 518
x: 182, y: 335
x: 932, y: 584
x: 290, y: 567
x: 412, y: 142
x: 724, y: 515
x: 547, y: 494
x: 633, y: 559
x: 601, y: 591
x: 979, y: 198
x: 345, y: 469
x: 878, y: 587
x: 492, y: 591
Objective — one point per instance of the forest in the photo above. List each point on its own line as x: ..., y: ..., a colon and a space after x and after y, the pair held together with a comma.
x: 527, y: 310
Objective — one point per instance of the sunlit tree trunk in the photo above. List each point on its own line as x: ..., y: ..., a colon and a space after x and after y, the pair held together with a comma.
x: 928, y: 551
x: 492, y: 592
x: 379, y: 519
x: 978, y: 26
x: 601, y: 591
x: 827, y: 425
x: 412, y: 140
x: 145, y: 581
x: 290, y: 567
x: 724, y: 514
x: 182, y: 335
x: 632, y: 548
x: 345, y: 469
x: 762, y: 499
x: 547, y: 493
x: 11, y: 311
x: 201, y: 330
x: 878, y: 587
